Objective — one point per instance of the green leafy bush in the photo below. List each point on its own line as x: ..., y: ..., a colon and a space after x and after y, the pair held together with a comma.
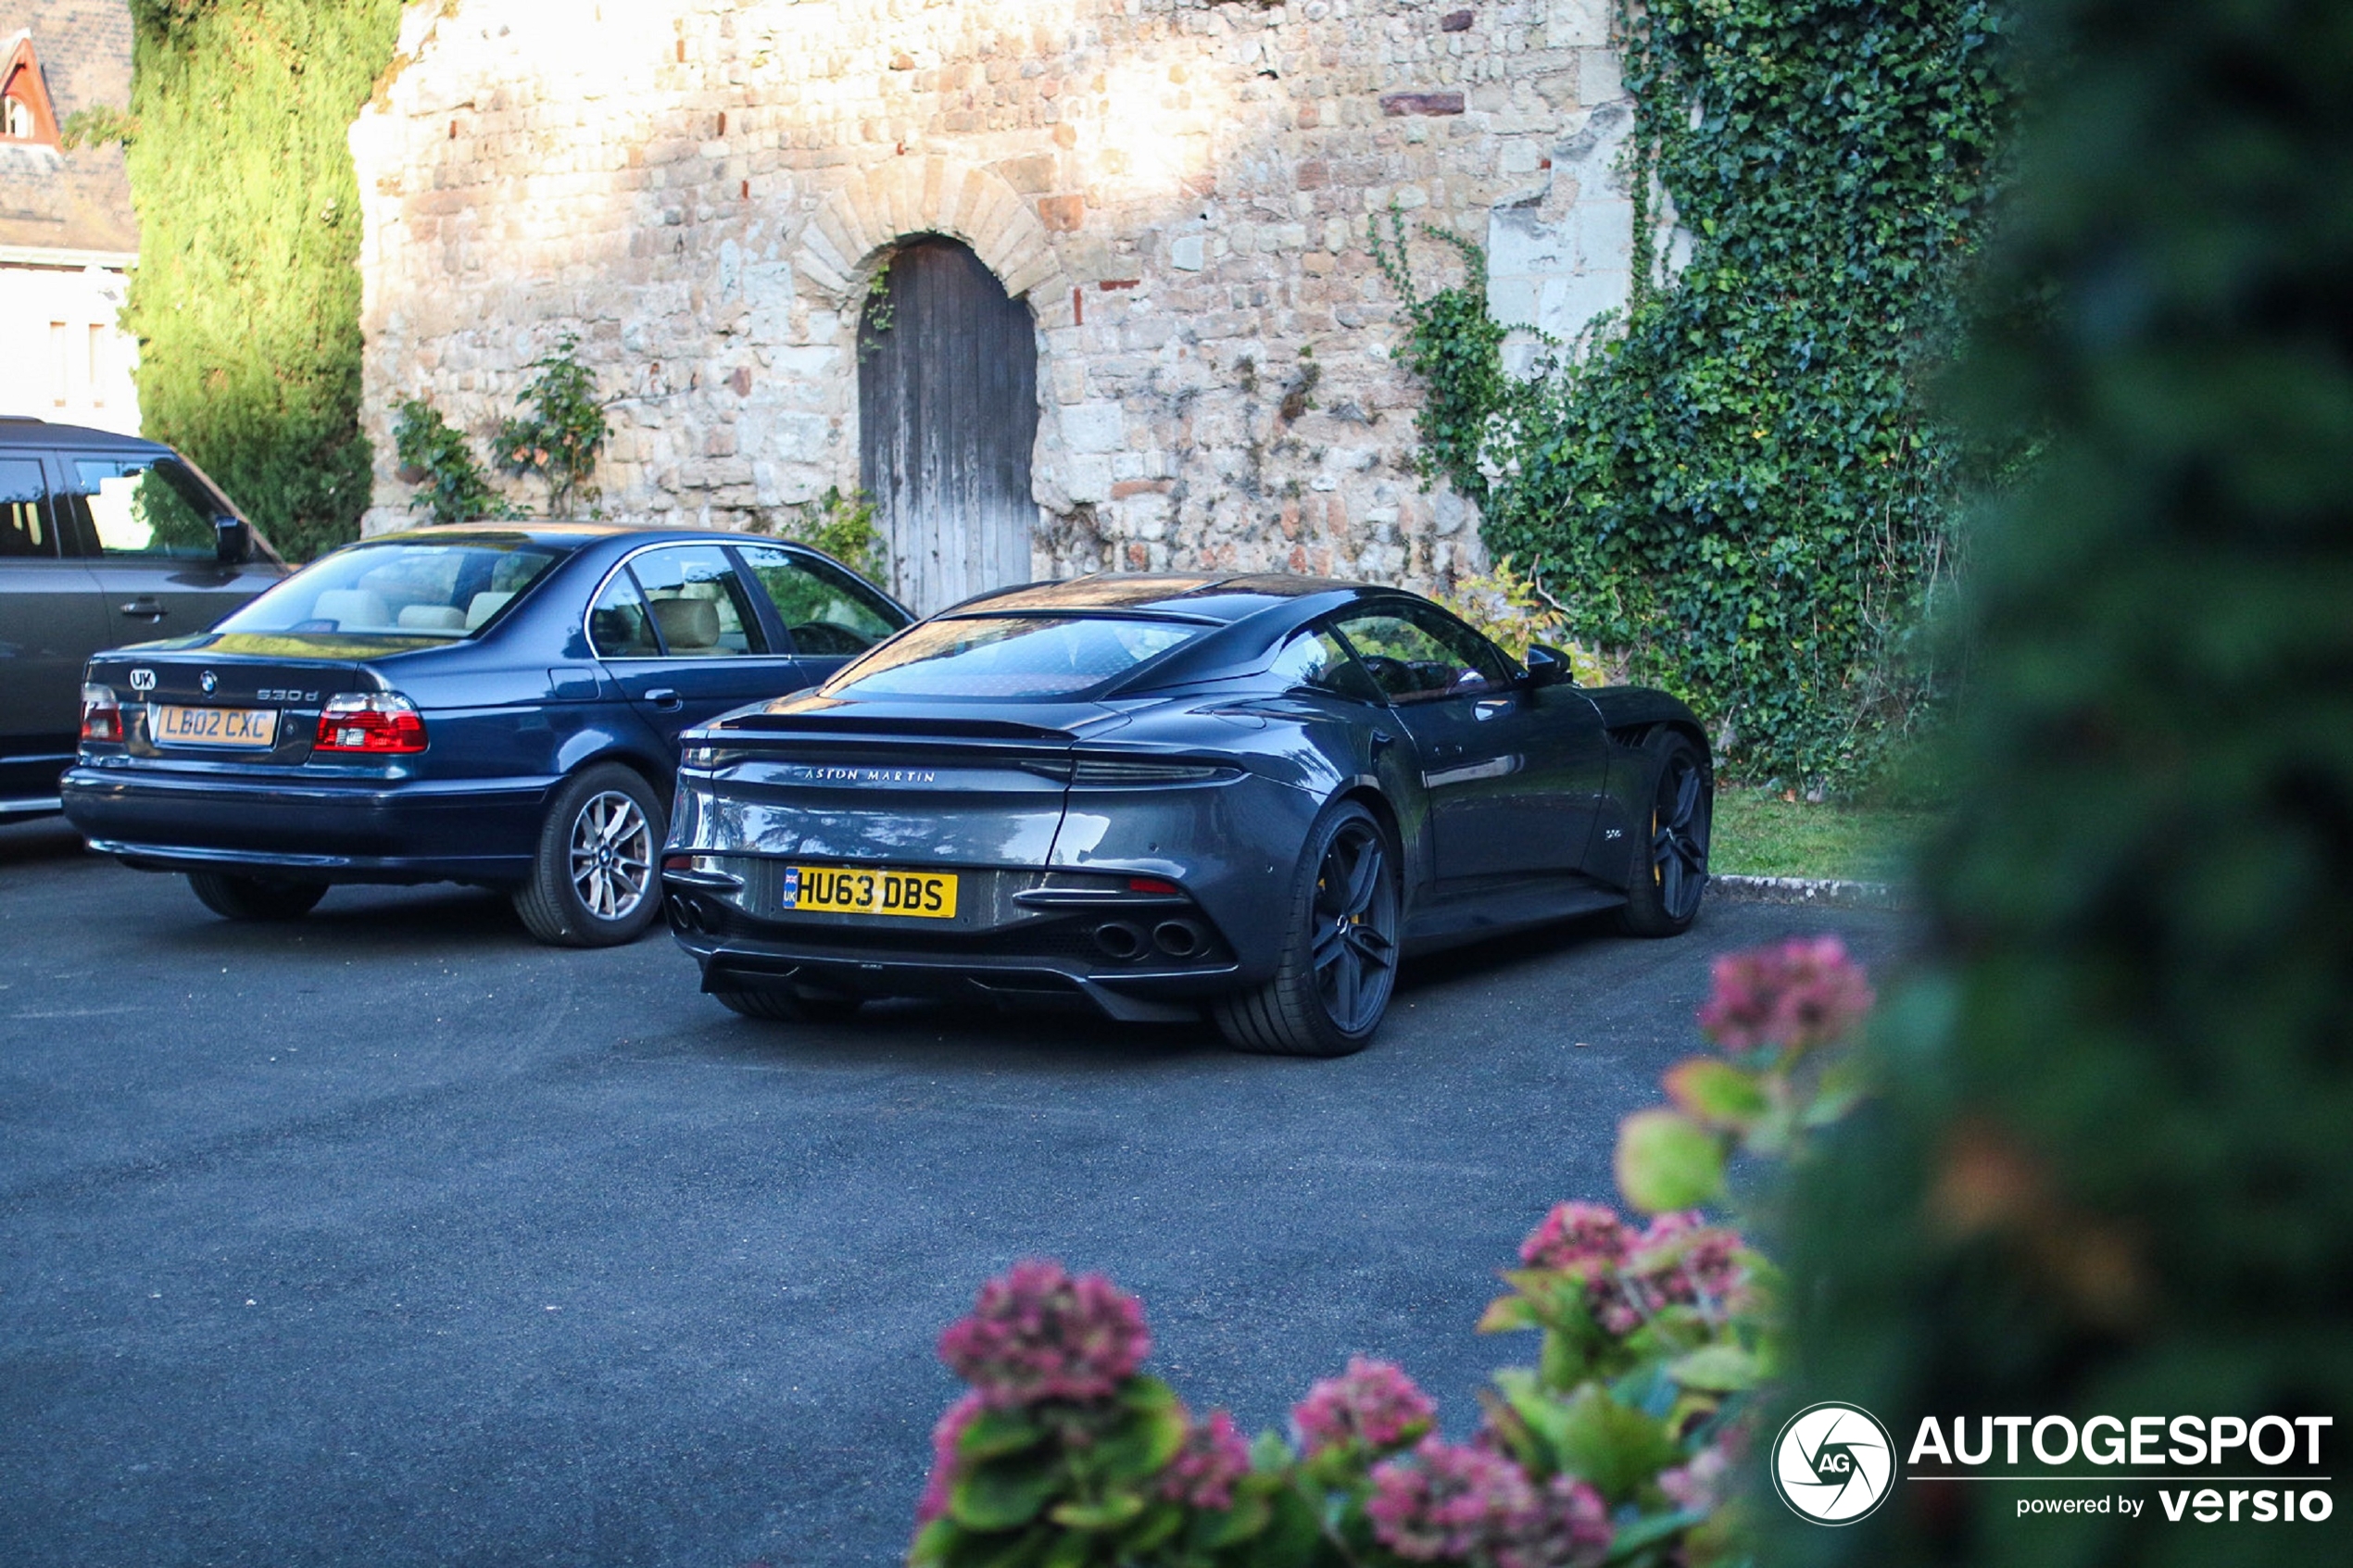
x: 562, y: 432
x: 450, y: 484
x: 842, y: 526
x: 1740, y: 478
x: 2109, y: 1172
x: 247, y: 300
x: 1620, y: 1446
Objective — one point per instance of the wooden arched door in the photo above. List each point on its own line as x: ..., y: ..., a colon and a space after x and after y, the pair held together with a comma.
x: 947, y: 409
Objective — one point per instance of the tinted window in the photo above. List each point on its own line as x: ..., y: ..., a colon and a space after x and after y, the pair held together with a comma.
x: 698, y: 605
x: 1415, y: 656
x: 1315, y: 657
x: 24, y: 511
x: 827, y: 610
x: 413, y: 590
x: 145, y: 507
x: 619, y: 625
x: 1021, y: 655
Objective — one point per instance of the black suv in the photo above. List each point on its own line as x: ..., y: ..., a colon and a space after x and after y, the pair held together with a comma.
x: 105, y: 539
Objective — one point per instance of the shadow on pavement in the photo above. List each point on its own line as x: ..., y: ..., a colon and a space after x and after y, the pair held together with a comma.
x: 43, y: 838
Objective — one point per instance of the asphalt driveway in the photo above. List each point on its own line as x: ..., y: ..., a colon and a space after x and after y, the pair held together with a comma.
x: 389, y: 1237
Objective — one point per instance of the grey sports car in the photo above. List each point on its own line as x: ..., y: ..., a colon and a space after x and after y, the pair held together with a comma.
x: 1164, y: 794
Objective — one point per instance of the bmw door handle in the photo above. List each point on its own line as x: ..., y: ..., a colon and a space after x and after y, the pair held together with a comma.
x: 143, y: 608
x: 666, y: 699
x: 1492, y: 706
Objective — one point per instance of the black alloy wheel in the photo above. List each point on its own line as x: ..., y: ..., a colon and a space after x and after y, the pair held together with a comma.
x: 249, y: 898
x: 593, y: 881
x: 1340, y: 960
x: 1665, y: 897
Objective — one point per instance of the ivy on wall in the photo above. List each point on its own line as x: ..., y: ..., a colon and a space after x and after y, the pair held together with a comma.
x: 247, y: 300
x: 1738, y: 490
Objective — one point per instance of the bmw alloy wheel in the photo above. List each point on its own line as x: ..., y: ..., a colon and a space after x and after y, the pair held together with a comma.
x: 1678, y: 836
x: 613, y: 855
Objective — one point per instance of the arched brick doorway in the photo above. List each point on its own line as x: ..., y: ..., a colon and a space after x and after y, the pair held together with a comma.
x: 946, y: 413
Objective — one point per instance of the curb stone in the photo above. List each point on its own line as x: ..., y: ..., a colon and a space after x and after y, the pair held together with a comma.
x: 1828, y: 893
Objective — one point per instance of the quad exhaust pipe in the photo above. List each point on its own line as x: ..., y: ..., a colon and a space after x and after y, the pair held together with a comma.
x: 1124, y: 941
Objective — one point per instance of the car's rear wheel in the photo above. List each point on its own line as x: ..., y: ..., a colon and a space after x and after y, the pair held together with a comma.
x: 1339, y: 957
x: 788, y: 1007
x: 250, y: 897
x: 593, y: 879
x: 1665, y: 897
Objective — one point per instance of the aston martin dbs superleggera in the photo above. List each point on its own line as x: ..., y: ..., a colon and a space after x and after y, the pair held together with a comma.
x: 1164, y: 794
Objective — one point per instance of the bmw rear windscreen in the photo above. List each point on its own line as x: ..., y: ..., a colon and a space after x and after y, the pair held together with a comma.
x: 1015, y: 656
x: 407, y: 590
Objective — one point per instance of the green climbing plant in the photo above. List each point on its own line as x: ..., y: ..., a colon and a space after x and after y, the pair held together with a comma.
x: 561, y: 434
x: 844, y: 527
x: 1740, y: 485
x: 246, y: 299
x: 452, y: 485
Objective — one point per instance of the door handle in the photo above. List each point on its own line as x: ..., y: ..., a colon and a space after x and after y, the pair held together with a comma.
x: 664, y: 699
x: 1488, y: 706
x: 143, y: 608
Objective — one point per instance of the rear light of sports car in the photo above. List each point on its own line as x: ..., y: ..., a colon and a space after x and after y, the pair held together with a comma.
x: 1122, y: 771
x: 101, y: 715
x: 377, y: 723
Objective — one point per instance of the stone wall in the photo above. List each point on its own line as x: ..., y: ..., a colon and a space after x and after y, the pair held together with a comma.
x: 703, y: 189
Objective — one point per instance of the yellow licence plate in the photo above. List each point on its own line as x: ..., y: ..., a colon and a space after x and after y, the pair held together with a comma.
x: 861, y: 891
x: 252, y: 727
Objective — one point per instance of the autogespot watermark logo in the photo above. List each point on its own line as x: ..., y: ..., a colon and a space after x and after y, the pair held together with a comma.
x: 1833, y: 1463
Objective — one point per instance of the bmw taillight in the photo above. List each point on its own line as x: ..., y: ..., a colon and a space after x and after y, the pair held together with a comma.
x: 101, y: 715
x: 377, y: 723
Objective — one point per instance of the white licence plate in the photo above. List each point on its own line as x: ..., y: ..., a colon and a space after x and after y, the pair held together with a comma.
x: 252, y: 728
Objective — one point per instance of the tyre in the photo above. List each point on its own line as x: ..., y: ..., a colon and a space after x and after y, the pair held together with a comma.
x: 249, y: 898
x: 1340, y: 953
x: 1665, y: 896
x: 788, y: 1007
x: 593, y: 878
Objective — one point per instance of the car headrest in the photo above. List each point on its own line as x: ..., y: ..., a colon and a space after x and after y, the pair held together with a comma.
x: 688, y: 625
x: 481, y: 606
x: 353, y: 609
x: 433, y: 618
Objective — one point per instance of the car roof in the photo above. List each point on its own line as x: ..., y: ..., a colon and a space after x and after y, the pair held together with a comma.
x: 22, y: 430
x: 563, y: 535
x: 1193, y: 597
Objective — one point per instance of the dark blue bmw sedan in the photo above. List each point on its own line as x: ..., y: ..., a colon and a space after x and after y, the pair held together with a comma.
x: 498, y: 705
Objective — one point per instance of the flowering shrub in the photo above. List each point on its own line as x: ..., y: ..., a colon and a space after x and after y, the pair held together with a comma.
x: 1619, y: 1446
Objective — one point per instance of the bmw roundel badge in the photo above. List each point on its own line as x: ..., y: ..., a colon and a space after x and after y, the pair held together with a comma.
x: 209, y: 681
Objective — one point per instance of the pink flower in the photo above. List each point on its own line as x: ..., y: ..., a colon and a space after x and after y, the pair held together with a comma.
x: 1455, y: 1503
x: 1701, y: 1485
x: 1794, y: 996
x: 1682, y: 1260
x: 1448, y: 1501
x: 1038, y: 1335
x: 944, y: 1472
x: 1203, y: 1472
x: 1569, y: 1528
x: 1575, y: 1233
x: 1372, y: 1403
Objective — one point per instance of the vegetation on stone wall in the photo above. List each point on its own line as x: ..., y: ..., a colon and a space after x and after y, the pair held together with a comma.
x: 2109, y: 1172
x: 247, y: 300
x: 561, y: 431
x: 452, y: 485
x: 1738, y: 489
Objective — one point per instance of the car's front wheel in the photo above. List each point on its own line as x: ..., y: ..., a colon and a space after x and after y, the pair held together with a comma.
x: 1340, y: 955
x: 593, y: 880
x: 249, y: 897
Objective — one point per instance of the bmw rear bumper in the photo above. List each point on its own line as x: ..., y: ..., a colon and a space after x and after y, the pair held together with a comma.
x: 361, y: 830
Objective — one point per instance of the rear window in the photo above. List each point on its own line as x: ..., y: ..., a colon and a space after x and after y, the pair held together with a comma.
x: 409, y: 590
x: 1009, y: 657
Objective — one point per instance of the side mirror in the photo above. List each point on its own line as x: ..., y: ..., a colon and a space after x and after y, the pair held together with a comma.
x: 232, y: 540
x: 1548, y: 666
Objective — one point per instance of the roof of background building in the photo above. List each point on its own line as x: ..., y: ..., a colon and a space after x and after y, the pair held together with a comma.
x: 78, y: 200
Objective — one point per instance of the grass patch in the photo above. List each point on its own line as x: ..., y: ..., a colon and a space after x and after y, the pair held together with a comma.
x: 1758, y: 834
